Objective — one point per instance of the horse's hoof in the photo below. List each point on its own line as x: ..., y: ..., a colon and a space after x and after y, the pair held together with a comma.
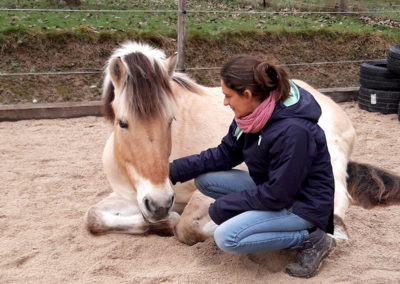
x: 340, y: 232
x: 189, y: 233
x: 340, y: 236
x: 94, y: 224
x: 173, y: 218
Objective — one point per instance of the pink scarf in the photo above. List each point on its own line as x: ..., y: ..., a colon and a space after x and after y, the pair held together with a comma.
x: 255, y: 121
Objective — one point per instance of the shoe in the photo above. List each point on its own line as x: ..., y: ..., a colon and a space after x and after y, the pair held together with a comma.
x: 315, y: 248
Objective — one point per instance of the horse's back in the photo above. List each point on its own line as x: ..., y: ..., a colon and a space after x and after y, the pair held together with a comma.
x: 333, y: 120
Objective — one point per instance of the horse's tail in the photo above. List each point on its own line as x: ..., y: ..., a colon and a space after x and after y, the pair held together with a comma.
x: 370, y: 186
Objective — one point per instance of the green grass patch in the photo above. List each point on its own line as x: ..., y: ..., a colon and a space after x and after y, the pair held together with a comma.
x: 313, y: 5
x: 165, y: 23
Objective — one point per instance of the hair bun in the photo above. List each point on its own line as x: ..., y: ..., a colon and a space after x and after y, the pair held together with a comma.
x: 271, y: 72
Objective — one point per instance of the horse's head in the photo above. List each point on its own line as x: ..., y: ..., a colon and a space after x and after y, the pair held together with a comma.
x: 138, y: 100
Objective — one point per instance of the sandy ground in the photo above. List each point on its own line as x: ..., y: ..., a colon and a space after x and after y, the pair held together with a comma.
x: 51, y: 172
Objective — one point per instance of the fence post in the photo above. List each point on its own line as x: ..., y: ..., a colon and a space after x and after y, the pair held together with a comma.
x: 181, y: 35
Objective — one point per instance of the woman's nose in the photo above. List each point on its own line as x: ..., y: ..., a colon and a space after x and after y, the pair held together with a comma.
x: 226, y: 102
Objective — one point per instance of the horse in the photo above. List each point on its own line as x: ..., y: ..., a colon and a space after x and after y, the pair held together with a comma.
x: 159, y: 115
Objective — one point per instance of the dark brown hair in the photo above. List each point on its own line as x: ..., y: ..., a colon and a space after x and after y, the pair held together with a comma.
x: 258, y: 76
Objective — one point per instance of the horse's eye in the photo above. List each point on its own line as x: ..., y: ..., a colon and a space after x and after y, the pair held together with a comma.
x: 122, y: 124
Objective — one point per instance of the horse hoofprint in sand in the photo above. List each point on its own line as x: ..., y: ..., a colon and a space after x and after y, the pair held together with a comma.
x: 159, y: 115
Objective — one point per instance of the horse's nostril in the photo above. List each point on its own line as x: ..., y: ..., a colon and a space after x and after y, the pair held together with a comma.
x: 147, y: 204
x: 157, y: 211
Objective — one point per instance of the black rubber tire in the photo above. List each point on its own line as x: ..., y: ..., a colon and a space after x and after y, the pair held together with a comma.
x: 393, y: 66
x: 398, y: 114
x: 376, y: 69
x: 375, y: 75
x: 385, y: 102
x: 393, y: 58
x: 380, y: 84
x: 394, y: 51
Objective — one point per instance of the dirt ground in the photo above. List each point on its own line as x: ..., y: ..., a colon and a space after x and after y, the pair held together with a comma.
x: 51, y: 173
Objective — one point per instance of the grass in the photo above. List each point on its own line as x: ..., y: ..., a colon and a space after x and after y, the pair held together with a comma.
x: 165, y: 23
x: 314, y: 5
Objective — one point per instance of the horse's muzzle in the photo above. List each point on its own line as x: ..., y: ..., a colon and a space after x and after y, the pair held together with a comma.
x: 155, y: 211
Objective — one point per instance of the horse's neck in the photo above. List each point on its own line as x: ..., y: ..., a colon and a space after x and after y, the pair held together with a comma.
x: 201, y: 121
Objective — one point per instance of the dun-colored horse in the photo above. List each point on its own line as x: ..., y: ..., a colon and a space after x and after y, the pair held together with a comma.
x: 159, y: 115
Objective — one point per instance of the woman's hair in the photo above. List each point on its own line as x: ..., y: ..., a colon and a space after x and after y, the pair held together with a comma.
x: 258, y: 76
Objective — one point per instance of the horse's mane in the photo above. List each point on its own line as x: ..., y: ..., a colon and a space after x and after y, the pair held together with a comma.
x: 147, y: 86
x: 187, y: 83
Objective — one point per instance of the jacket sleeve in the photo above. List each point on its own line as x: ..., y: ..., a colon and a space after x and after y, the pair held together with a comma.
x: 223, y: 157
x: 291, y: 157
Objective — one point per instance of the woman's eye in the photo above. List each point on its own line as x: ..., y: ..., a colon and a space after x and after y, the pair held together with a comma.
x: 122, y: 124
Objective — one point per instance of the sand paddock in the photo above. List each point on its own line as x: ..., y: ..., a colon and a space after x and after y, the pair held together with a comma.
x: 51, y: 172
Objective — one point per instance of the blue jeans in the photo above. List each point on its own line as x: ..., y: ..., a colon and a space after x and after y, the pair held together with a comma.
x: 251, y: 231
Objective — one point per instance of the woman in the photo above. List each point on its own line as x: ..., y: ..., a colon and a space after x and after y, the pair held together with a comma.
x: 285, y: 200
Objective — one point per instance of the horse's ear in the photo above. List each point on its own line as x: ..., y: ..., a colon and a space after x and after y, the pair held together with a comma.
x: 117, y: 71
x: 108, y: 97
x: 171, y: 63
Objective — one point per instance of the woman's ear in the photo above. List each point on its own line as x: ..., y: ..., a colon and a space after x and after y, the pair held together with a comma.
x: 248, y: 94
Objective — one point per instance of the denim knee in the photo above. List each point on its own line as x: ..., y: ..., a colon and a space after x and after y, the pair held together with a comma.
x: 201, y: 184
x: 225, y: 241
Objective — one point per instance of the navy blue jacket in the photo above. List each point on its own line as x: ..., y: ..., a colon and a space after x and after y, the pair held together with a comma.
x: 291, y: 166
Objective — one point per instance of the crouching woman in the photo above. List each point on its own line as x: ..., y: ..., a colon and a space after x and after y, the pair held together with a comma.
x: 285, y: 200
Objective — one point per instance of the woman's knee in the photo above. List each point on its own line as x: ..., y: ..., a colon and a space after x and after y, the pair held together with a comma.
x: 211, y: 184
x: 198, y: 182
x: 202, y: 184
x: 225, y: 240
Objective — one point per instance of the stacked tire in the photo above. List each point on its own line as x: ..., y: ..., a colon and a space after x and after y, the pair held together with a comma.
x: 393, y: 59
x: 380, y: 84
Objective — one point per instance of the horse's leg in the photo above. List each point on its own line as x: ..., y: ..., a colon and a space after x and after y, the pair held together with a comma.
x: 118, y: 215
x: 342, y: 198
x: 341, y: 204
x: 195, y: 225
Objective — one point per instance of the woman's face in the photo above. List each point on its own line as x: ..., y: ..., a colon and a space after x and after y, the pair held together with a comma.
x: 241, y: 105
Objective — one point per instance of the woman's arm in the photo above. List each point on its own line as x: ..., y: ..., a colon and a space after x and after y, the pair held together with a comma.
x: 224, y: 157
